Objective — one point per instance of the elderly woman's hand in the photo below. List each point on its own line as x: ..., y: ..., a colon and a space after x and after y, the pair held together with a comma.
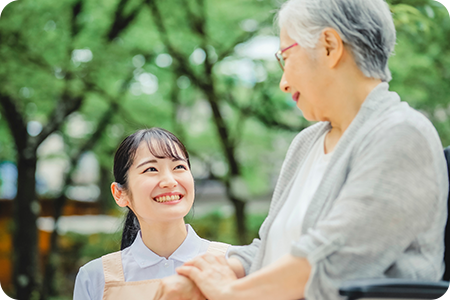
x: 212, y: 274
x: 178, y: 287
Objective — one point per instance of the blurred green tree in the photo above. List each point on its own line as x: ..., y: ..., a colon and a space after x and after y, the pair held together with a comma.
x: 195, y: 67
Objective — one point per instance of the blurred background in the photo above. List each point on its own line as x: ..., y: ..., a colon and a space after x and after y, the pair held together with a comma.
x: 77, y: 76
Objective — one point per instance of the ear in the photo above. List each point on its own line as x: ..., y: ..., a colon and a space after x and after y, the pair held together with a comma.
x: 333, y: 46
x: 119, y: 195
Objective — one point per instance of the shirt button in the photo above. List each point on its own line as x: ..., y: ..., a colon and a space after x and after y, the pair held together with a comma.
x: 166, y: 264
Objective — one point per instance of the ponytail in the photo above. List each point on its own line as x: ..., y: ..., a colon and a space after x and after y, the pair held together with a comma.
x: 131, y: 228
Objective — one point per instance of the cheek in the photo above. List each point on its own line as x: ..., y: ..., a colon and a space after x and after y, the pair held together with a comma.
x: 297, y: 78
x: 188, y: 183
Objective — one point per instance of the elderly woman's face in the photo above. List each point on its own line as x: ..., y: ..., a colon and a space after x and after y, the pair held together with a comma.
x: 302, y: 78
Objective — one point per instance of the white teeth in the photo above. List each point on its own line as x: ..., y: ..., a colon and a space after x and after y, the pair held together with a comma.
x: 167, y: 198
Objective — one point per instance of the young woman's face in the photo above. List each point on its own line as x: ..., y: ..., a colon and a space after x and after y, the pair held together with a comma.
x: 159, y: 189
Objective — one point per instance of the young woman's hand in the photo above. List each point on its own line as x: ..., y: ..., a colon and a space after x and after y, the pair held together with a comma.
x: 212, y: 274
x: 178, y: 287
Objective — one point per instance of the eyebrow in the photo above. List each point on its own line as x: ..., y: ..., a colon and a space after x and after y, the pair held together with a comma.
x: 152, y: 161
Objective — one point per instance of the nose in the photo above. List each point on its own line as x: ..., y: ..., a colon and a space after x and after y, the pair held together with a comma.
x: 168, y: 181
x: 284, y: 85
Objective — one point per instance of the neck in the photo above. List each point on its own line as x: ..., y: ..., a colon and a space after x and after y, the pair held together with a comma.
x: 163, y: 238
x: 348, y: 96
x: 347, y: 101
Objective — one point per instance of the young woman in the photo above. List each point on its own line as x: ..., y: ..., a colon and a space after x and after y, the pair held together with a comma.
x: 153, y: 180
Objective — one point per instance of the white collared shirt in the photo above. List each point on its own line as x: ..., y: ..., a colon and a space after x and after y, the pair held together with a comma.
x: 139, y: 263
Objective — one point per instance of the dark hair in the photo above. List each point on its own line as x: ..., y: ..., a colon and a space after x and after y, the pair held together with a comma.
x: 161, y: 144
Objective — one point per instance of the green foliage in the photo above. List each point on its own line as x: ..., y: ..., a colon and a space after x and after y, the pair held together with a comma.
x: 216, y: 226
x: 421, y: 64
x: 37, y: 43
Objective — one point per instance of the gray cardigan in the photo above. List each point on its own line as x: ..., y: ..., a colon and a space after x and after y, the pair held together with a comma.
x: 381, y: 208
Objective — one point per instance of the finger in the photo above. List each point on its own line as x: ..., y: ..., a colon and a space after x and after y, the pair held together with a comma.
x: 193, y: 261
x: 191, y: 272
x: 201, y: 263
x: 189, y: 263
x: 222, y: 260
x: 209, y: 258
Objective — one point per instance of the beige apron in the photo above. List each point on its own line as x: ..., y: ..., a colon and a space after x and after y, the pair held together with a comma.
x: 116, y: 288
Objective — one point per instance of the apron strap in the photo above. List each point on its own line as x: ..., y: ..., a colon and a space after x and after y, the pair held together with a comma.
x: 112, y: 267
x: 217, y: 248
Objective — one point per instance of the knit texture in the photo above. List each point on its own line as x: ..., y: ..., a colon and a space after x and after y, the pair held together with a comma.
x: 381, y: 207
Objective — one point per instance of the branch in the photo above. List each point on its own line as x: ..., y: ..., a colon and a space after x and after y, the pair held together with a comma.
x: 195, y: 22
x: 267, y: 120
x: 181, y: 60
x: 121, y: 21
x: 245, y: 36
x: 76, y: 9
x: 65, y: 106
x: 19, y: 47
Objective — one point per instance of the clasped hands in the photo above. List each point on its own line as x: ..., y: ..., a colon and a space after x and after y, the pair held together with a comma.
x: 204, y: 277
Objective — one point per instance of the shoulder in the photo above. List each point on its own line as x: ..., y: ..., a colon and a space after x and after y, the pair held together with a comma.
x: 90, y: 281
x: 202, y: 245
x: 403, y: 125
x: 93, y: 268
x: 402, y: 136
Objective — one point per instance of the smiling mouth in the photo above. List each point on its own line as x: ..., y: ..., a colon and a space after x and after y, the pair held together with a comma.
x: 296, y: 96
x: 168, y: 198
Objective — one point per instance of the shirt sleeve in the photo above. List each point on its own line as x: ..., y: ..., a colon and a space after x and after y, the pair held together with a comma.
x: 90, y: 282
x: 82, y: 286
x: 393, y: 192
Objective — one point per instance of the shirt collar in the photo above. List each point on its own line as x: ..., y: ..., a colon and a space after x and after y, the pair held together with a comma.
x: 187, y: 250
x: 143, y: 255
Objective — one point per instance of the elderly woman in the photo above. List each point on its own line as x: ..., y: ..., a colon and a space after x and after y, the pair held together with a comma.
x: 362, y: 193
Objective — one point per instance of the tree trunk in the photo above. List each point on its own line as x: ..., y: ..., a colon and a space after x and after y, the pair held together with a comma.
x: 106, y: 200
x: 241, y: 220
x: 48, y: 285
x: 25, y: 212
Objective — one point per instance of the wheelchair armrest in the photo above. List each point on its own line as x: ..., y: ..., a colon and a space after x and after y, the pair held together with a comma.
x: 393, y: 288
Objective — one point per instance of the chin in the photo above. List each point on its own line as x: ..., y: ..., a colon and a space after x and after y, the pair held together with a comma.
x: 308, y: 117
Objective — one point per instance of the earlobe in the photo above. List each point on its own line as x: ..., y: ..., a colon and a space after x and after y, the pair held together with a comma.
x: 119, y: 194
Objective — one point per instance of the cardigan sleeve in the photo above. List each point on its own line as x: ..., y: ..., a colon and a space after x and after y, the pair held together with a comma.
x: 393, y: 192
x: 245, y: 254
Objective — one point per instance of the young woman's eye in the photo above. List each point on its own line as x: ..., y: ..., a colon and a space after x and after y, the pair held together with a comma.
x: 180, y: 167
x: 151, y: 169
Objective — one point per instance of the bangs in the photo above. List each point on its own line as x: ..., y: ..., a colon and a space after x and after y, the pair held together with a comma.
x: 163, y: 145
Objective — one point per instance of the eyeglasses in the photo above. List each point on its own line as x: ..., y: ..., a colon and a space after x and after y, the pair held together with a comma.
x: 279, y: 55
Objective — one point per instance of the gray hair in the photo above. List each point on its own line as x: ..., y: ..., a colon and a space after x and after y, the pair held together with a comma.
x: 365, y: 26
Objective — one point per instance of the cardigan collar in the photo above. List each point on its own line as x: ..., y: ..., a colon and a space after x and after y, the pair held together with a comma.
x: 377, y: 101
